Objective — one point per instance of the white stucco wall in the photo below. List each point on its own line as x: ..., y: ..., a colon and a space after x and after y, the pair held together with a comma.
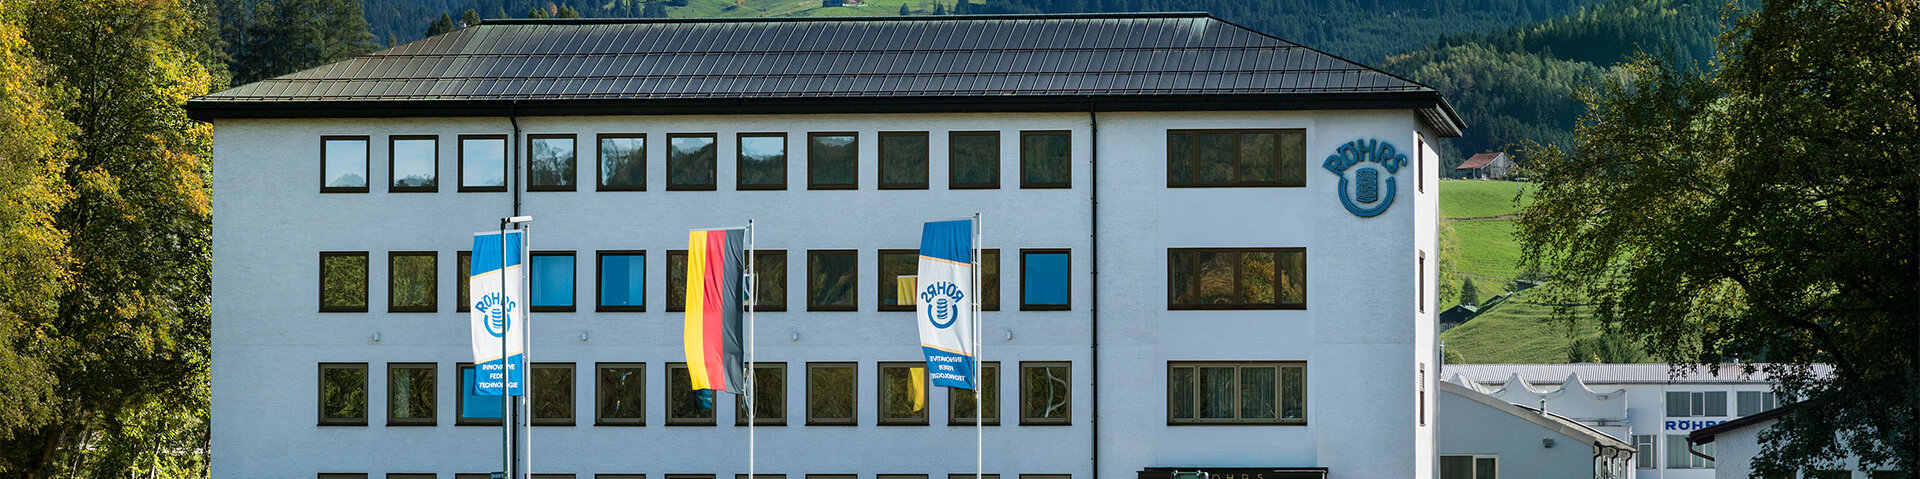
x: 1361, y: 333
x: 1469, y: 427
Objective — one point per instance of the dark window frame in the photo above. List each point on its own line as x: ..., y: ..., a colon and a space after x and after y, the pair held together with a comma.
x: 366, y: 169
x: 366, y: 391
x: 573, y: 394
x: 433, y: 370
x: 1420, y: 163
x: 1279, y: 398
x: 600, y: 163
x: 599, y: 279
x: 460, y: 398
x: 880, y: 285
x: 855, y: 304
x: 505, y: 164
x: 953, y: 168
x: 342, y: 475
x: 740, y: 161
x: 575, y: 186
x: 880, y: 169
x: 1045, y: 185
x: 681, y: 256
x: 853, y: 394
x: 880, y: 394
x: 786, y: 294
x: 814, y: 185
x: 740, y: 420
x: 600, y: 406
x: 1278, y: 156
x: 1420, y: 304
x: 713, y: 415
x: 433, y: 284
x: 998, y: 408
x: 460, y: 278
x: 713, y: 183
x: 391, y: 179
x: 1173, y: 305
x: 1024, y: 306
x: 1022, y: 378
x: 573, y: 301
x: 366, y: 294
x: 998, y: 276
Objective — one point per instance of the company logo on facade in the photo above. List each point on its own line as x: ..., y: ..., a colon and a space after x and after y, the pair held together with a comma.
x: 1361, y: 193
x: 497, y: 322
x: 943, y: 303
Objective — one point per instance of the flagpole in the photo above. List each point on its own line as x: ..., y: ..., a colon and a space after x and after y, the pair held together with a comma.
x: 526, y: 350
x: 506, y: 321
x: 979, y: 407
x: 753, y: 298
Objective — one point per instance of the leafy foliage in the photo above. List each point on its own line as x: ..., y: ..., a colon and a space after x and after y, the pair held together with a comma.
x: 1767, y: 212
x: 268, y: 38
x: 35, y: 267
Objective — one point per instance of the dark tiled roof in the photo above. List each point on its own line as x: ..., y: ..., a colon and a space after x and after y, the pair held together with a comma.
x: 1035, y: 62
x: 1479, y: 161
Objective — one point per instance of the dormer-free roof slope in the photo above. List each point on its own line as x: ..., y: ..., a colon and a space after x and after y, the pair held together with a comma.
x: 1163, y: 61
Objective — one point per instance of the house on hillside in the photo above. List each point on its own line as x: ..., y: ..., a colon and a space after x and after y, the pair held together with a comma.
x: 1457, y: 315
x: 1484, y: 166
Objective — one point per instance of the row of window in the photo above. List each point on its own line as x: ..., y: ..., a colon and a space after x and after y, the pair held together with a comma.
x: 832, y: 280
x: 1195, y: 158
x: 1198, y: 393
x: 480, y: 475
x: 1714, y: 403
x: 1197, y: 278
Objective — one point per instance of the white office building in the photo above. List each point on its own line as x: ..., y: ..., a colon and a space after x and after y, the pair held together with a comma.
x: 1207, y: 248
x: 1647, y: 405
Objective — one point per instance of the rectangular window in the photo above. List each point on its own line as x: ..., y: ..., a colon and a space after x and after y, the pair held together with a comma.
x: 623, y: 162
x: 1236, y: 393
x: 833, y: 161
x: 1420, y: 163
x: 899, y: 476
x: 617, y: 476
x: 902, y: 395
x: 1679, y: 458
x: 410, y: 475
x: 623, y: 281
x: 550, y: 163
x: 343, y: 475
x: 552, y: 281
x: 1045, y: 280
x: 971, y: 476
x: 769, y: 397
x: 960, y: 401
x: 684, y: 405
x: 343, y: 281
x: 620, y: 394
x: 903, y: 160
x: 462, y: 261
x: 483, y: 163
x: 1045, y: 159
x: 550, y: 476
x: 471, y: 409
x: 1421, y: 284
x: 1469, y: 467
x: 343, y: 394
x: 989, y: 280
x: 762, y: 162
x: 1237, y: 278
x: 1046, y: 393
x: 769, y: 280
x: 343, y: 164
x: 676, y: 280
x: 1756, y: 402
x: 973, y: 160
x: 553, y: 394
x: 833, y: 280
x: 1696, y: 404
x: 1202, y: 158
x: 830, y: 394
x: 1421, y: 383
x: 1643, y: 451
x: 410, y: 394
x: 413, y: 281
x: 691, y: 162
x: 413, y: 165
x: 898, y: 268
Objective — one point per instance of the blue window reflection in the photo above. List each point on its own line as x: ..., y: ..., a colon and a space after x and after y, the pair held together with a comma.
x: 1043, y: 280
x: 623, y: 280
x: 553, y: 280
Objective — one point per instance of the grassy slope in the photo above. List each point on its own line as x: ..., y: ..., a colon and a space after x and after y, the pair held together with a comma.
x: 1517, y: 330
x: 1488, y: 253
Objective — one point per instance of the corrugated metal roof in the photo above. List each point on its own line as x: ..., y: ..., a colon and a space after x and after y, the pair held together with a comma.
x: 950, y: 57
x: 1606, y: 373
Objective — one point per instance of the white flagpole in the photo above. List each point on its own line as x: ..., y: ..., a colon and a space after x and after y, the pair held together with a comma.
x: 526, y: 348
x: 979, y: 366
x: 753, y: 298
x: 506, y: 322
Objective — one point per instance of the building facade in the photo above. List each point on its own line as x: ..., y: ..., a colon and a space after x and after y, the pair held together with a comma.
x: 1207, y: 248
x: 1480, y: 436
x: 1647, y: 405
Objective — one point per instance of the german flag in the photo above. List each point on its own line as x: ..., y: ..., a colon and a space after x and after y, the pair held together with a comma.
x: 716, y: 261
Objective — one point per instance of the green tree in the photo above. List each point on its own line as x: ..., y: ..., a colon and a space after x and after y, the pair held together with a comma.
x: 469, y: 18
x: 1469, y: 294
x: 34, y: 260
x: 566, y: 12
x: 269, y: 38
x: 440, y: 25
x: 903, y: 10
x: 126, y: 341
x: 538, y: 12
x: 939, y: 8
x: 1769, y: 212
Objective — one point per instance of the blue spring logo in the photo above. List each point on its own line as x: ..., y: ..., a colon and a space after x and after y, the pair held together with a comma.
x: 498, y: 321
x: 943, y: 303
x: 1366, y: 199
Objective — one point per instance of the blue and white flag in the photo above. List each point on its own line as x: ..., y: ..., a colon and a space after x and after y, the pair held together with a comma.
x: 497, y: 317
x: 944, y: 306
